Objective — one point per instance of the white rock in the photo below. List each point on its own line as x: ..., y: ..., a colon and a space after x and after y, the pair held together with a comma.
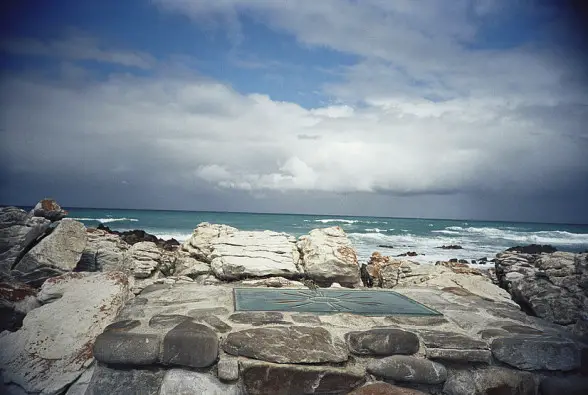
x: 145, y: 257
x: 199, y: 245
x: 185, y: 382
x: 54, y: 345
x: 254, y: 254
x: 328, y: 256
x: 190, y: 267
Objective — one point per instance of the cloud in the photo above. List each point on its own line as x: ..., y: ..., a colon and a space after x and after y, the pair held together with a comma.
x: 76, y: 46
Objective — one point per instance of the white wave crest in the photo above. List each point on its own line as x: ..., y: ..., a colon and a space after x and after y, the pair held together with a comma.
x: 377, y: 230
x: 106, y: 220
x: 539, y: 237
x: 179, y: 236
x: 329, y: 220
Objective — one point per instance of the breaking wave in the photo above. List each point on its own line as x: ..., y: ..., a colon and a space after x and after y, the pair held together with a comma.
x: 106, y: 220
x: 508, y: 234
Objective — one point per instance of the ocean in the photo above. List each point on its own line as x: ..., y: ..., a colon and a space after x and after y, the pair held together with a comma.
x: 478, y: 238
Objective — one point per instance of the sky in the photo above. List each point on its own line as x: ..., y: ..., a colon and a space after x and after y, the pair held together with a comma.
x: 472, y: 109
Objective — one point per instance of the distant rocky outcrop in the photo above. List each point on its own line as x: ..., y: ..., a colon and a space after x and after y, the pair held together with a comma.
x: 136, y: 236
x: 533, y: 249
x: 553, y: 286
x: 451, y: 247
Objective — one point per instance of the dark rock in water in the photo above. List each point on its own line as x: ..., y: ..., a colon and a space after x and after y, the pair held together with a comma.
x: 385, y: 246
x: 474, y: 262
x: 533, y: 249
x: 451, y: 247
x: 453, y: 260
x: 484, y: 259
x: 409, y: 253
x: 49, y: 209
x: 366, y: 279
x: 463, y: 261
x: 135, y: 236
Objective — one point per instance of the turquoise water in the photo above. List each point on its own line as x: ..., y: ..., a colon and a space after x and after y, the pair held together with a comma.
x: 479, y: 238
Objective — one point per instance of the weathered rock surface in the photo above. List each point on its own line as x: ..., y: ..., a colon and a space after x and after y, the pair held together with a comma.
x: 537, y: 353
x: 18, y: 233
x: 383, y: 342
x: 200, y: 244
x: 382, y: 388
x: 450, y: 340
x: 564, y: 386
x: 122, y: 347
x: 49, y: 209
x: 16, y: 300
x: 459, y: 356
x: 54, y: 345
x: 103, y: 252
x: 80, y: 386
x: 146, y: 258
x: 551, y: 286
x: 228, y: 369
x: 254, y: 254
x: 190, y: 344
x: 185, y: 382
x: 128, y: 381
x: 136, y: 236
x: 271, y: 379
x: 328, y: 257
x: 408, y: 369
x: 185, y: 265
x: 258, y: 318
x: 57, y: 253
x: 295, y: 344
x: 491, y: 380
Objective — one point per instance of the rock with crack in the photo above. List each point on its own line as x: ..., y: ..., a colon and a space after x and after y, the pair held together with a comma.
x: 254, y: 254
x: 408, y: 369
x: 382, y: 342
x: 537, y: 353
x: 200, y: 244
x: 54, y: 345
x: 103, y: 252
x: 57, y: 253
x: 328, y: 257
x: 294, y: 344
x: 18, y: 233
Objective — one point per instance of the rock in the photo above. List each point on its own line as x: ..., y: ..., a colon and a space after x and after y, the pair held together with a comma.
x: 385, y: 246
x: 49, y: 209
x: 306, y: 319
x: 80, y: 386
x: 271, y: 379
x: 188, y: 266
x: 128, y: 381
x: 185, y: 382
x: 382, y: 342
x: 533, y: 249
x: 561, y: 385
x: 294, y: 344
x: 550, y: 286
x: 123, y: 326
x: 451, y: 247
x: 57, y: 253
x: 16, y: 300
x: 103, y: 252
x: 490, y: 380
x: 215, y: 322
x: 18, y: 233
x: 200, y: 244
x: 439, y: 339
x: 328, y: 256
x: 146, y: 258
x: 54, y: 345
x: 424, y: 320
x: 384, y: 389
x: 136, y: 236
x: 409, y: 253
x: 228, y: 369
x: 273, y: 282
x: 190, y: 344
x: 120, y: 347
x: 408, y: 369
x: 254, y: 254
x: 258, y: 318
x: 537, y: 353
x: 163, y: 321
x: 460, y: 356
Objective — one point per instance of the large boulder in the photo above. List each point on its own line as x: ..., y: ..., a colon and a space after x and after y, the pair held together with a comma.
x: 199, y: 245
x: 57, y: 253
x: 49, y: 209
x: 103, y: 252
x: 54, y: 345
x: 328, y: 257
x: 18, y: 233
x: 254, y: 254
x: 551, y: 286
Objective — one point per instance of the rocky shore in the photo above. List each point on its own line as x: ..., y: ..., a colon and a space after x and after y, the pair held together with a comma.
x: 94, y: 311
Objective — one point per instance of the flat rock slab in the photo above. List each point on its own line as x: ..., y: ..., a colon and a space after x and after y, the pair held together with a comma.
x: 165, y: 321
x: 439, y: 339
x: 270, y: 379
x: 295, y: 344
x: 365, y: 302
x: 408, y: 369
x: 125, y: 348
x: 190, y: 344
x: 382, y: 342
x: 128, y: 381
x: 258, y: 318
x: 460, y: 356
x: 537, y: 353
x: 185, y: 382
x: 491, y: 380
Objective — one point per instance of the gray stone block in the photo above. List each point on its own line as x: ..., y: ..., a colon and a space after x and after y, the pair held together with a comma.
x: 383, y: 342
x: 127, y: 348
x: 190, y: 344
